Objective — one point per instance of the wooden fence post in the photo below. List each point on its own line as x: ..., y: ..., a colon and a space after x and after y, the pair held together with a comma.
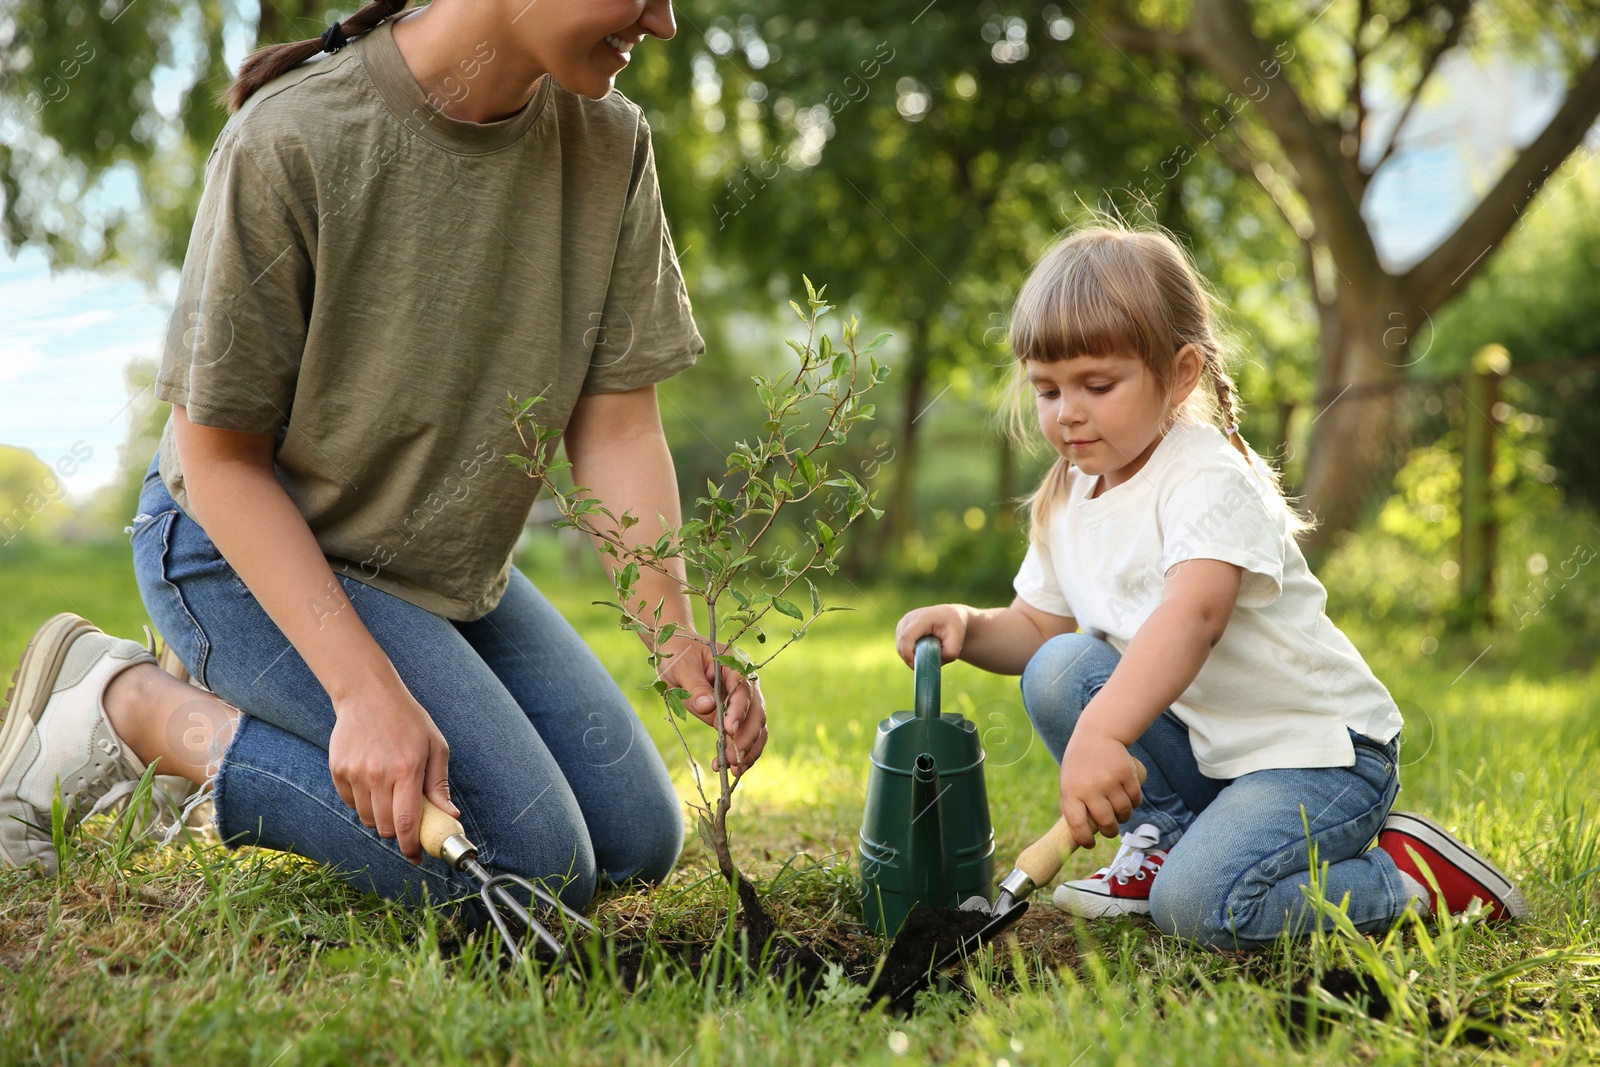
x: 1481, y: 387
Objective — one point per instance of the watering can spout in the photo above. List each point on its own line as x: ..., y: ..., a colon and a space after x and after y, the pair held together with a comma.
x: 927, y: 850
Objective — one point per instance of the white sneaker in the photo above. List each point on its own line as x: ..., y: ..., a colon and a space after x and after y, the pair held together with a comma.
x: 1122, y: 888
x: 56, y: 730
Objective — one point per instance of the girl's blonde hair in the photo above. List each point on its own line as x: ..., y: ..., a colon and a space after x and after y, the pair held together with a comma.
x: 1110, y: 289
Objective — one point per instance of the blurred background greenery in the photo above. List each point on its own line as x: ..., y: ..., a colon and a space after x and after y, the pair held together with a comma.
x: 917, y: 156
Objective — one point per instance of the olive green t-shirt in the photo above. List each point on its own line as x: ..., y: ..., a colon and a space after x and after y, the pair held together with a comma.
x: 368, y: 280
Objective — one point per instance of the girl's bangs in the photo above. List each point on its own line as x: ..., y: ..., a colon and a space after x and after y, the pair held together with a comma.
x: 1070, y: 315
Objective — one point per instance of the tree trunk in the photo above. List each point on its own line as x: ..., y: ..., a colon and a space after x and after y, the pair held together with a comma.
x: 899, y: 514
x: 1005, y: 513
x: 1357, y: 433
x: 287, y: 20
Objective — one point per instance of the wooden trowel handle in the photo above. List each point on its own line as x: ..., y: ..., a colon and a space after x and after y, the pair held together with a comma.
x: 1041, y: 861
x: 437, y: 826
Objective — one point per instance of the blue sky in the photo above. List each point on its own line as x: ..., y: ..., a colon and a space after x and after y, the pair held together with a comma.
x: 66, y: 338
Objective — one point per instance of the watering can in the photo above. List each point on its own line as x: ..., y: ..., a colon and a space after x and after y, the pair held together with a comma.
x: 925, y: 836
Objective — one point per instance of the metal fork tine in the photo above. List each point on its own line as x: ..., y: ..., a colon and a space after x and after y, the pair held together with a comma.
x: 496, y: 885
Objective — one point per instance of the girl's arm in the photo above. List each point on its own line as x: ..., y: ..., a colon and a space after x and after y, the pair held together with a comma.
x: 1001, y: 640
x: 618, y: 451
x: 1098, y: 788
x: 385, y: 751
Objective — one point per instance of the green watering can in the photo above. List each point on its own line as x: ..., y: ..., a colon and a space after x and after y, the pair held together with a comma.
x: 925, y: 836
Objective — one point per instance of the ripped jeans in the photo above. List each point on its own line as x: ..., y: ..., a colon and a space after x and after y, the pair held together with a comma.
x: 1238, y: 867
x: 556, y: 778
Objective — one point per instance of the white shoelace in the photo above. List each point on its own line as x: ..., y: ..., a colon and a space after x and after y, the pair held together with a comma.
x: 1131, y: 858
x: 165, y: 814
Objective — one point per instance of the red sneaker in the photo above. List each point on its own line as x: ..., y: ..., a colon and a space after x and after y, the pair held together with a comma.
x: 1462, y: 875
x: 1122, y: 888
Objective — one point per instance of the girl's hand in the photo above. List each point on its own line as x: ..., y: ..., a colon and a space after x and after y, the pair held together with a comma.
x: 692, y: 668
x: 947, y: 622
x: 1099, y: 786
x: 385, y: 754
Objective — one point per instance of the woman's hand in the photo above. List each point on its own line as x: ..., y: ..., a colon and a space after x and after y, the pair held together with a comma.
x: 692, y: 668
x: 947, y: 622
x: 385, y: 754
x: 1099, y: 785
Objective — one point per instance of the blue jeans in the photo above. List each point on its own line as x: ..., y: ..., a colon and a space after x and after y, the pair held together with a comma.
x: 554, y: 773
x: 1238, y: 868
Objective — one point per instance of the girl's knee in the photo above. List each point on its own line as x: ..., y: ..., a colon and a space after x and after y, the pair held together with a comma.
x: 1059, y: 674
x: 1196, y: 914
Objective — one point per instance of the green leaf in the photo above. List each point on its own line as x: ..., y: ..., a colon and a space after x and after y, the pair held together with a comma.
x: 875, y: 344
x: 816, y: 597
x: 787, y: 608
x: 807, y: 470
x: 675, y: 698
x: 826, y: 536
x: 735, y: 658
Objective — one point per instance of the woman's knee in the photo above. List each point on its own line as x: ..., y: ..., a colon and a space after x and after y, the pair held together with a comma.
x: 1059, y: 678
x: 645, y: 846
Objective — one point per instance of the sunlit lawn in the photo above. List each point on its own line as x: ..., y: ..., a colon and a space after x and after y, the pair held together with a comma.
x: 198, y: 955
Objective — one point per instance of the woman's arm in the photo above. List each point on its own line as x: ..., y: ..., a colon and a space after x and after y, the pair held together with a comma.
x: 618, y: 451
x: 385, y: 751
x: 1001, y: 640
x: 1098, y: 788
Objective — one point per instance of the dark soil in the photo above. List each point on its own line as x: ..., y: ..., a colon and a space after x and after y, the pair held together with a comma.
x: 927, y: 936
x: 768, y: 951
x: 765, y: 951
x: 1483, y: 1023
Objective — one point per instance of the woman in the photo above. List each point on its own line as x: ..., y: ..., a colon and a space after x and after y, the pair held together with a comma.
x: 445, y: 208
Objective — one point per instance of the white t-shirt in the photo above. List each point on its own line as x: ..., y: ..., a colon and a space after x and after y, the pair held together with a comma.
x: 1283, y: 684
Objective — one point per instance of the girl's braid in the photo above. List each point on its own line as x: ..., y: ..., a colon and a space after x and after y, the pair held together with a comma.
x: 1227, y: 403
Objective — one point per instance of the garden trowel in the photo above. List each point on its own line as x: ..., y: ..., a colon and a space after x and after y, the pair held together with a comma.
x: 1038, y: 864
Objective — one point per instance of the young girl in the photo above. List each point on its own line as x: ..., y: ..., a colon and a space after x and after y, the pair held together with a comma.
x: 1164, y: 611
x: 404, y: 221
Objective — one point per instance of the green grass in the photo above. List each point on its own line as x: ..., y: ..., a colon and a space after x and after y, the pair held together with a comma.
x: 197, y: 955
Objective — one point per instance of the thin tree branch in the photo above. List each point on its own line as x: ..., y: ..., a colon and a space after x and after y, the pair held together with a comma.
x: 1220, y: 36
x: 1430, y: 62
x: 1431, y: 282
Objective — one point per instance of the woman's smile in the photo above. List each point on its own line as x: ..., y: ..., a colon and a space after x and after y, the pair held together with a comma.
x: 621, y: 46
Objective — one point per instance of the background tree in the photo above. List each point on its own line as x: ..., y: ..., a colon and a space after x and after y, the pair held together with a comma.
x: 1301, y: 79
x: 81, y: 118
x: 921, y: 158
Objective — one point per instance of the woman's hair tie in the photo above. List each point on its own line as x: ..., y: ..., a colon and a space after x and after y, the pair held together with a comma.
x: 1229, y: 431
x: 333, y: 38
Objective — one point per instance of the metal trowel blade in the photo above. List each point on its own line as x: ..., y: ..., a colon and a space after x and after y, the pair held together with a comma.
x: 968, y: 945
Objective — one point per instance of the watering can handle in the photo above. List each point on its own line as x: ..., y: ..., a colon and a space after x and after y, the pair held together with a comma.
x: 926, y: 669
